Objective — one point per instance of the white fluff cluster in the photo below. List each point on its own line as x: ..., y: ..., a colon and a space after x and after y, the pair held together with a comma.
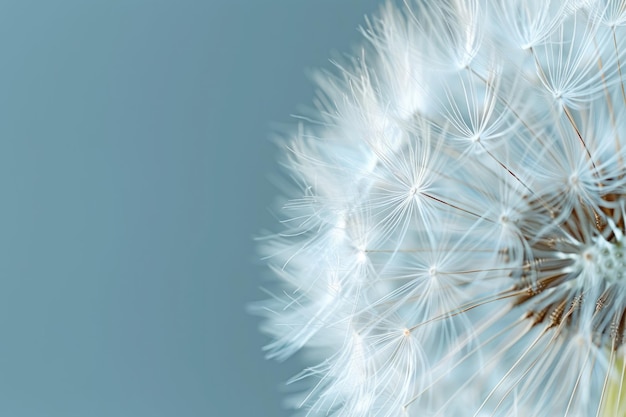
x: 453, y: 243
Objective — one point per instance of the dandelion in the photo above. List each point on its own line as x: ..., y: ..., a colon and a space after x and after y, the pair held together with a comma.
x: 454, y: 238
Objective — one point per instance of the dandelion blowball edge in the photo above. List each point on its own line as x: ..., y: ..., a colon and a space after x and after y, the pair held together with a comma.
x: 453, y: 238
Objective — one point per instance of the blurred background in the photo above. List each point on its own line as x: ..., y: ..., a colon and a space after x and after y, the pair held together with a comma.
x: 134, y: 165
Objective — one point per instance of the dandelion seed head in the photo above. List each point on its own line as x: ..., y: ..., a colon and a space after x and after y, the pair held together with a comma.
x: 453, y: 240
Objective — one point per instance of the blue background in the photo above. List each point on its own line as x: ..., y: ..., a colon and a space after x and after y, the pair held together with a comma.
x: 134, y: 164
